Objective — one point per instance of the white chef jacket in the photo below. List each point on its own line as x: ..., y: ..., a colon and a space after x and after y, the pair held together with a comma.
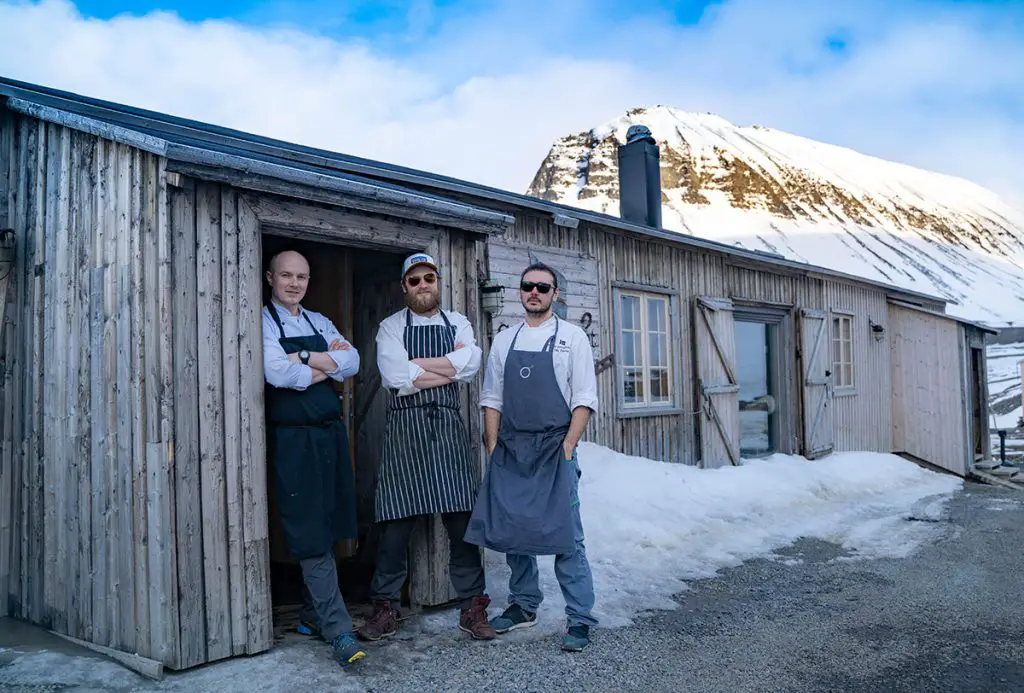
x: 573, y: 361
x: 397, y: 372
x: 281, y: 372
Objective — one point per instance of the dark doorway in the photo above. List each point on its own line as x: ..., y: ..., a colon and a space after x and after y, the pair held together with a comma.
x: 356, y: 288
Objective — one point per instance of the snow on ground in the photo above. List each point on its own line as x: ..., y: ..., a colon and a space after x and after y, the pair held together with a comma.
x: 650, y: 527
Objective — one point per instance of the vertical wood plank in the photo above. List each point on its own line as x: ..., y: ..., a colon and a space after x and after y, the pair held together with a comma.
x: 123, y: 471
x: 72, y: 459
x: 211, y: 422
x: 139, y: 250
x: 98, y: 398
x: 188, y: 497
x: 10, y: 374
x: 84, y: 229
x: 259, y: 636
x: 53, y: 448
x: 232, y: 418
x: 163, y: 535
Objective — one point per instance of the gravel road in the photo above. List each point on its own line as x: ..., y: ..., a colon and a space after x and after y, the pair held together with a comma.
x: 948, y: 618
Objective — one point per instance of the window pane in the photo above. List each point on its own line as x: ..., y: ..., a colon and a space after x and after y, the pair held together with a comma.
x: 656, y: 314
x: 636, y: 313
x: 848, y: 374
x: 654, y: 351
x: 627, y: 313
x: 628, y: 352
x: 633, y: 385
x: 756, y: 400
x: 660, y: 391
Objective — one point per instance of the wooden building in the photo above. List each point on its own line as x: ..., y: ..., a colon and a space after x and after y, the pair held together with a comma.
x: 134, y: 510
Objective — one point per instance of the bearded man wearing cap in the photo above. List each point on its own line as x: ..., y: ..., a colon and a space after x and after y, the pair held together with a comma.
x: 423, y: 353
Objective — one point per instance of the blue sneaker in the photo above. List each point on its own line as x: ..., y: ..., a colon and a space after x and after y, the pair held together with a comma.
x: 310, y: 628
x: 513, y: 617
x: 576, y: 638
x: 347, y: 650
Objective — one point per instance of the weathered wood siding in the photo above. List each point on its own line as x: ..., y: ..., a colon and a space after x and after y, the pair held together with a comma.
x: 131, y: 448
x: 928, y: 399
x: 863, y: 414
x: 87, y: 397
x: 683, y: 274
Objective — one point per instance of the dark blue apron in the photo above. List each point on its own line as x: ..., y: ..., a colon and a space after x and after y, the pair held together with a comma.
x: 525, y: 503
x: 314, y: 487
x: 425, y: 465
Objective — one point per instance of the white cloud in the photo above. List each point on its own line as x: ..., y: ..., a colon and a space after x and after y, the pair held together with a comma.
x: 483, y: 96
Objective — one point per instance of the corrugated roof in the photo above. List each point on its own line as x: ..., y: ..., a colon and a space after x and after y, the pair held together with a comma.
x: 197, y: 142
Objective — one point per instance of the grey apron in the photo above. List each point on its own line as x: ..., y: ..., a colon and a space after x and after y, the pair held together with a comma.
x: 425, y: 466
x: 525, y: 503
x: 314, y: 486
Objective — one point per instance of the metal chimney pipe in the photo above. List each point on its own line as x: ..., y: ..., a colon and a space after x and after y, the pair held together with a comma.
x: 640, y: 178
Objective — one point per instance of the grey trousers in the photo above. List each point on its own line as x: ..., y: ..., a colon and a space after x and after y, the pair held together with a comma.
x: 465, y: 564
x: 322, y: 602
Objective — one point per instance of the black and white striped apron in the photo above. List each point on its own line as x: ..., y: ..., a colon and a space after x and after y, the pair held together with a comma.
x: 425, y: 467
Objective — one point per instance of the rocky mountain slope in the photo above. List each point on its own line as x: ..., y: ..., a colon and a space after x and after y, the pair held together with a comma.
x: 769, y: 190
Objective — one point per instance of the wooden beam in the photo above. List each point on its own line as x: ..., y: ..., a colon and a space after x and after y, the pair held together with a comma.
x: 302, y: 220
x: 141, y: 665
x: 342, y: 191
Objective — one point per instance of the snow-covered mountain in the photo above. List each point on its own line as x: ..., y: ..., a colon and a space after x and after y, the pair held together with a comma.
x: 769, y: 190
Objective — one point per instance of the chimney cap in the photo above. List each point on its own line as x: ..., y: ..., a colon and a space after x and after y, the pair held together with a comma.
x: 639, y: 133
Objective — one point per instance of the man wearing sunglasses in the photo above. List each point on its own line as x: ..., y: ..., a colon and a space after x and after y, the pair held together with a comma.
x: 539, y: 392
x: 423, y: 353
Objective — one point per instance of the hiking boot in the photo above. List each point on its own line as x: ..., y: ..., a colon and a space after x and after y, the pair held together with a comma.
x: 382, y: 623
x: 474, y: 620
x: 311, y: 628
x: 576, y: 638
x: 514, y: 617
x: 347, y: 650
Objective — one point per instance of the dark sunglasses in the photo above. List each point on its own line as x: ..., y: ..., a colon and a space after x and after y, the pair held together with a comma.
x: 429, y: 278
x: 541, y: 287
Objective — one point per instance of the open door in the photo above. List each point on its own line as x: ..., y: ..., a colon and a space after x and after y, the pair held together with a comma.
x: 816, y: 385
x: 717, y: 387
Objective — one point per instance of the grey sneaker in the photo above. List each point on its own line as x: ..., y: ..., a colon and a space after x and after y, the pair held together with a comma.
x: 513, y: 617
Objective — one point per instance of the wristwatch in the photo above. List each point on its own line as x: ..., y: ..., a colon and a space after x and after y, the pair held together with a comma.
x: 304, y: 357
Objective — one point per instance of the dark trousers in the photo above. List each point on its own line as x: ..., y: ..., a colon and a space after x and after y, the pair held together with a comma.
x: 465, y: 564
x: 322, y: 600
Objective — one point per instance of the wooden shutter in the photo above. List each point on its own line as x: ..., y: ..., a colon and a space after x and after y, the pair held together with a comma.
x: 717, y: 387
x: 818, y: 420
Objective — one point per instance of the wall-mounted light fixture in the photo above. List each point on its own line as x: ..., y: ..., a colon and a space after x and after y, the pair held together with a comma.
x: 877, y: 331
x: 492, y: 297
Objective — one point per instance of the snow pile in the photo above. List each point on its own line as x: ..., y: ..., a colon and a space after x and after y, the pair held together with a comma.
x: 651, y: 525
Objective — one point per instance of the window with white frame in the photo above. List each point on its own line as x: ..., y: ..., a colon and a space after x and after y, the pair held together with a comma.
x: 842, y: 351
x: 645, y: 364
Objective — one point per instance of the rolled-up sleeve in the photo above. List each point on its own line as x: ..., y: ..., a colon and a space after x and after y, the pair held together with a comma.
x: 346, y: 360
x: 583, y: 379
x: 466, y: 361
x: 397, y: 372
x: 491, y: 394
x: 278, y: 370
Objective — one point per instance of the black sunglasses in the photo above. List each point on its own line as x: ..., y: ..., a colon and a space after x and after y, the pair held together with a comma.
x: 429, y: 278
x: 541, y: 287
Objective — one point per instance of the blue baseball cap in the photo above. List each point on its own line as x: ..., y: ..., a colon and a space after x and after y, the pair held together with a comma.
x: 417, y: 259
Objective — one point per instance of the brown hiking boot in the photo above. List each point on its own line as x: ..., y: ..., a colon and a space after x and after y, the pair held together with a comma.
x: 474, y: 620
x: 382, y: 623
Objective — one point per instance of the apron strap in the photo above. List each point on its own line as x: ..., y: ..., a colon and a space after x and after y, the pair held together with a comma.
x: 277, y: 318
x: 548, y: 345
x: 280, y: 326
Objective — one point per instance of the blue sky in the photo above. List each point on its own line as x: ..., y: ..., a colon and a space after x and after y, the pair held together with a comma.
x: 932, y: 83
